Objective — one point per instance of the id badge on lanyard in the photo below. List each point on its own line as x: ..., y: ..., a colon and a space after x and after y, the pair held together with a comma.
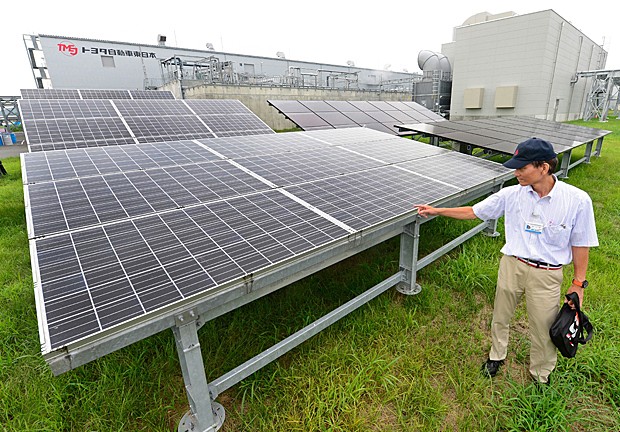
x: 534, y: 224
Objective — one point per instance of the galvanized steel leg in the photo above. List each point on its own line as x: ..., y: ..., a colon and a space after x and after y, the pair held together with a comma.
x: 203, y: 415
x: 599, y: 147
x: 588, y: 153
x: 409, y: 245
x: 491, y: 229
x: 563, y: 172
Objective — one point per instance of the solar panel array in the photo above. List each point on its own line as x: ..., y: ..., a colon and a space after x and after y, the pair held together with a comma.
x: 95, y: 94
x: 503, y: 134
x: 55, y: 124
x: 119, y: 233
x: 377, y: 115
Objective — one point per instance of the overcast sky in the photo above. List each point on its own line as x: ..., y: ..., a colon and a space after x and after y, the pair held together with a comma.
x: 372, y: 34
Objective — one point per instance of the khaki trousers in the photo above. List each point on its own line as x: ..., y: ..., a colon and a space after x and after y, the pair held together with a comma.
x: 542, y: 292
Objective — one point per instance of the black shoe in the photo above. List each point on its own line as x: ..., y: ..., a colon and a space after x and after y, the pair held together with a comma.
x: 490, y: 367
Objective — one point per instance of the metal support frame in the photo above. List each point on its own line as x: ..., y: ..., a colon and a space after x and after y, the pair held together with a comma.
x: 604, y: 93
x: 566, y: 164
x: 203, y: 416
x: 409, y: 247
x: 9, y: 112
x: 186, y: 318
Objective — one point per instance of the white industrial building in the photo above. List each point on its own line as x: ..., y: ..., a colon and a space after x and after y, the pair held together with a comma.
x: 78, y: 63
x: 499, y: 65
x: 520, y: 65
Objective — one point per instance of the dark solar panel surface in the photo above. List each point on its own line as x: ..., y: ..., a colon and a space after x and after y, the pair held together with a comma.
x: 50, y: 94
x: 367, y: 198
x: 64, y: 124
x: 377, y: 115
x: 49, y: 109
x: 114, y: 273
x: 67, y: 164
x: 120, y: 232
x: 503, y: 134
x: 94, y: 94
x: 104, y: 94
x: 151, y: 94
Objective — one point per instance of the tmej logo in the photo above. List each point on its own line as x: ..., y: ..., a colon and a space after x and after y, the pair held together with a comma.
x: 67, y: 48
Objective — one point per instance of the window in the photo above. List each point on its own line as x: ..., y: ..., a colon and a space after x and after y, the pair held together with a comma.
x: 107, y: 61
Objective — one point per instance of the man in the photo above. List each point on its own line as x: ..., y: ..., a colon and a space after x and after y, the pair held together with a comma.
x: 548, y: 224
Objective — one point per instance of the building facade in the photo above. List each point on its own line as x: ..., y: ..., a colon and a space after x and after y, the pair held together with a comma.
x: 69, y: 62
x: 520, y: 65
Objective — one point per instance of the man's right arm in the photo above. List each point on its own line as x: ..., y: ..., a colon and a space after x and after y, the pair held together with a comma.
x: 452, y: 212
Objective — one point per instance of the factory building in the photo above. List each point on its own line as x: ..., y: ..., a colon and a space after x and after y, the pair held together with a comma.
x: 496, y: 65
x: 520, y: 65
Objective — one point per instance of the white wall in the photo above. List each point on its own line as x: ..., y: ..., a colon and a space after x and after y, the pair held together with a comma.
x: 538, y: 52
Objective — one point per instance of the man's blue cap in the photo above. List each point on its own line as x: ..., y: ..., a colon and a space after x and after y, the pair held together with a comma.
x: 531, y: 150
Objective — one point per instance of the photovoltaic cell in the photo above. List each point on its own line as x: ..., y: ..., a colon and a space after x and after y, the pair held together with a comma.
x: 347, y: 135
x: 378, y: 115
x: 455, y: 168
x: 59, y: 124
x: 151, y: 94
x: 49, y: 94
x: 260, y: 145
x: 503, y: 134
x: 304, y: 166
x: 75, y: 130
x: 83, y: 202
x: 363, y: 199
x: 120, y: 232
x: 67, y: 164
x: 104, y: 94
x: 94, y: 94
x: 152, y: 129
x: 43, y: 109
x: 152, y: 108
x: 114, y: 273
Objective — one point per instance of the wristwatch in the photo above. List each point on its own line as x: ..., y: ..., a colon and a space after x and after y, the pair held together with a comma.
x: 583, y: 284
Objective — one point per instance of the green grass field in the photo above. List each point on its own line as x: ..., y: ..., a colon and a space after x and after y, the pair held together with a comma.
x: 399, y: 363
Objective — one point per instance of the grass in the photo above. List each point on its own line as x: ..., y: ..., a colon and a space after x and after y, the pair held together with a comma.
x: 399, y: 363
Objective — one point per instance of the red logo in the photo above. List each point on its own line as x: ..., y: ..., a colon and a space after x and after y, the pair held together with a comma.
x: 67, y: 48
x: 516, y: 152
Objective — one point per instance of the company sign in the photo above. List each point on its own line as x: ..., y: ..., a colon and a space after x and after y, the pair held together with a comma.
x: 71, y: 50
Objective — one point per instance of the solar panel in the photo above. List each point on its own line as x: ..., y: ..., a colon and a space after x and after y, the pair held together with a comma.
x: 261, y: 145
x: 75, y: 132
x: 151, y: 94
x: 152, y: 129
x: 120, y: 271
x: 105, y: 94
x: 152, y: 108
x: 377, y: 115
x: 50, y: 94
x: 448, y: 167
x: 94, y: 94
x: 119, y: 233
x: 128, y: 241
x: 304, y: 166
x: 363, y: 199
x: 47, y: 109
x: 67, y: 164
x: 63, y: 124
x: 98, y: 199
x: 505, y: 133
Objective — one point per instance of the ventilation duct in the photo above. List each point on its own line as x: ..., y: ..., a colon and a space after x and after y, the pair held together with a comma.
x: 432, y: 61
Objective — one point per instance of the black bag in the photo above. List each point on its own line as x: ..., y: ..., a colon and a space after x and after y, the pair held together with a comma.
x: 567, y: 330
